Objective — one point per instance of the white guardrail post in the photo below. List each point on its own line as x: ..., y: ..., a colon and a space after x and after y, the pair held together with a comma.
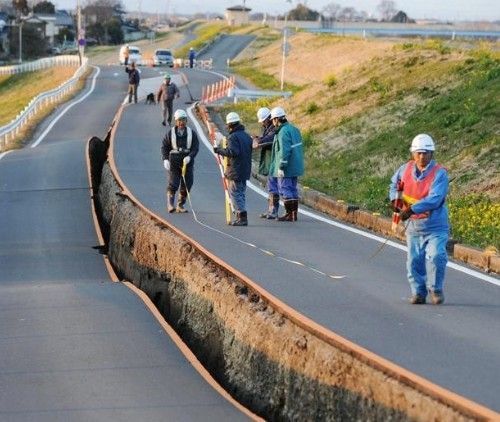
x: 12, y: 129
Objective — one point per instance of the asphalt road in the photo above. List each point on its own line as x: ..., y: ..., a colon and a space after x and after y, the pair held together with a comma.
x: 227, y: 47
x: 75, y: 346
x: 455, y: 345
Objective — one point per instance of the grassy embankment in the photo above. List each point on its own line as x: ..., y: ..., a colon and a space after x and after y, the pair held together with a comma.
x: 358, y: 124
x: 16, y: 91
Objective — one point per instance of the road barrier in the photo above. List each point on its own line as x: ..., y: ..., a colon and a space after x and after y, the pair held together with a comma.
x: 199, y: 64
x: 217, y: 90
x: 12, y: 129
x: 45, y: 63
x: 252, y: 94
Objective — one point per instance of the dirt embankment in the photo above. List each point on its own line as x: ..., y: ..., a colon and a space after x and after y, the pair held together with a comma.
x: 265, y: 357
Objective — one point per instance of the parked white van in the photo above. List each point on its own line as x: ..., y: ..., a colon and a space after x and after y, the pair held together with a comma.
x: 134, y: 54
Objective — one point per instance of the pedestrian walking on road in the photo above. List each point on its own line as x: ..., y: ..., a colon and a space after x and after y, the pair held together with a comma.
x: 126, y: 54
x: 179, y: 148
x: 192, y: 55
x: 239, y: 165
x: 424, y: 185
x: 264, y: 142
x: 134, y: 79
x: 167, y: 92
x: 287, y: 162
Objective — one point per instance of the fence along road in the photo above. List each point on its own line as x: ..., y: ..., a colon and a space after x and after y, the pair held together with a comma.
x: 74, y: 345
x: 455, y: 346
x: 9, y: 131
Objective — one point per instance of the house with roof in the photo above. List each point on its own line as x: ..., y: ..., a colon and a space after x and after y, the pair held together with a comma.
x: 237, y: 15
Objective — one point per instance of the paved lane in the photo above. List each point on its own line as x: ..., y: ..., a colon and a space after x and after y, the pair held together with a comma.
x: 455, y: 345
x: 73, y: 345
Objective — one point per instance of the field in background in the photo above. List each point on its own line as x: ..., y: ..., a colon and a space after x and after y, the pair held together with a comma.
x: 360, y: 102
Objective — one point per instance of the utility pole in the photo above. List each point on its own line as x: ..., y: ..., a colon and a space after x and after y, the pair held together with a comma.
x: 284, y: 47
x: 79, y: 37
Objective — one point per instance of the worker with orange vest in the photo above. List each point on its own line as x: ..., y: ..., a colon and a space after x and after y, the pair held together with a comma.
x: 424, y: 185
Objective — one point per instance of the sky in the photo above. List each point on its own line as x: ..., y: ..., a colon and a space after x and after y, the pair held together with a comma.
x: 454, y: 10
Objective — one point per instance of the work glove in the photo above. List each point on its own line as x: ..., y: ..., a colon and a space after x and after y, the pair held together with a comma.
x: 406, y: 214
x: 281, y: 173
x: 395, y: 208
x: 166, y: 164
x: 219, y: 139
x: 186, y: 160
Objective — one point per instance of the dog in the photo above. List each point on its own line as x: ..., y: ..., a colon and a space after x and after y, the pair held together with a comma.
x: 150, y: 98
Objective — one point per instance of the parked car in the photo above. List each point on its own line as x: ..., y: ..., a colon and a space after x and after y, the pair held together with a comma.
x: 134, y: 55
x: 163, y: 57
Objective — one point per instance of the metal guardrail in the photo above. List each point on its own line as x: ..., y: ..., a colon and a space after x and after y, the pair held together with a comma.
x: 12, y: 129
x: 67, y: 60
x: 237, y: 93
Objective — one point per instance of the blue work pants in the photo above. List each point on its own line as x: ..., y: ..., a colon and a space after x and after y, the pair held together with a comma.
x: 426, y: 262
x: 237, y: 192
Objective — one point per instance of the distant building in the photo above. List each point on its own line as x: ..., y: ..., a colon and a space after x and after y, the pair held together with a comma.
x: 237, y: 15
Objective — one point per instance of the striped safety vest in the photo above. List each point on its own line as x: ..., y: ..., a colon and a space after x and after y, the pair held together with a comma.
x: 189, y: 140
x: 415, y: 190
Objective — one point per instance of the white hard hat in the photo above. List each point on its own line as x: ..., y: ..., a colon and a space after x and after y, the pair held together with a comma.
x: 277, y: 112
x: 232, y: 117
x: 263, y: 114
x: 422, y: 142
x: 180, y: 114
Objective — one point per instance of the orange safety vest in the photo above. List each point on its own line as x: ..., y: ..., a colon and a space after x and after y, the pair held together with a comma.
x: 415, y: 190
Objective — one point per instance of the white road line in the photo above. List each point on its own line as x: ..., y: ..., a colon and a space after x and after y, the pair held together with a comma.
x: 65, y: 110
x: 372, y: 236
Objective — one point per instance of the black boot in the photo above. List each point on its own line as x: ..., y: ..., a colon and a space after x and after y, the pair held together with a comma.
x: 241, y: 219
x: 170, y: 202
x: 273, y: 206
x: 291, y: 207
x: 180, y: 205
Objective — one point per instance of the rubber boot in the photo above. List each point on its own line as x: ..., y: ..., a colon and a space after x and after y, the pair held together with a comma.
x: 170, y: 202
x: 295, y: 209
x: 241, y: 219
x: 290, y: 211
x: 180, y: 205
x: 273, y: 206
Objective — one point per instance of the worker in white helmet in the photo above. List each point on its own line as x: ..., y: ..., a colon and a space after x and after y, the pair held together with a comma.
x: 179, y: 147
x: 264, y: 142
x: 287, y: 162
x: 424, y: 186
x: 239, y: 165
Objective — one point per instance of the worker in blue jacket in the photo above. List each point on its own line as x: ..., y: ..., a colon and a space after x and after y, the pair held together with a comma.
x: 239, y: 165
x: 287, y: 162
x: 424, y: 186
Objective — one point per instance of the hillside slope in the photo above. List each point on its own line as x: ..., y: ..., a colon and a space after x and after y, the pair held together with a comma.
x: 360, y: 102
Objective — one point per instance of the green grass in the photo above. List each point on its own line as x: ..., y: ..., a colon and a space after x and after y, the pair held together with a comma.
x: 465, y: 123
x: 16, y: 91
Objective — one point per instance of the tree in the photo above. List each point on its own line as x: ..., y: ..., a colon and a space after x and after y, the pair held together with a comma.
x: 387, y: 9
x: 115, y: 31
x: 21, y: 7
x: 331, y: 11
x: 302, y: 13
x: 44, y: 7
x: 98, y: 16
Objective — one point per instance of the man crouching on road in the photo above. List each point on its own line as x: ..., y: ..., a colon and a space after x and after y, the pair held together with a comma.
x: 424, y: 185
x: 179, y: 147
x: 239, y: 165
